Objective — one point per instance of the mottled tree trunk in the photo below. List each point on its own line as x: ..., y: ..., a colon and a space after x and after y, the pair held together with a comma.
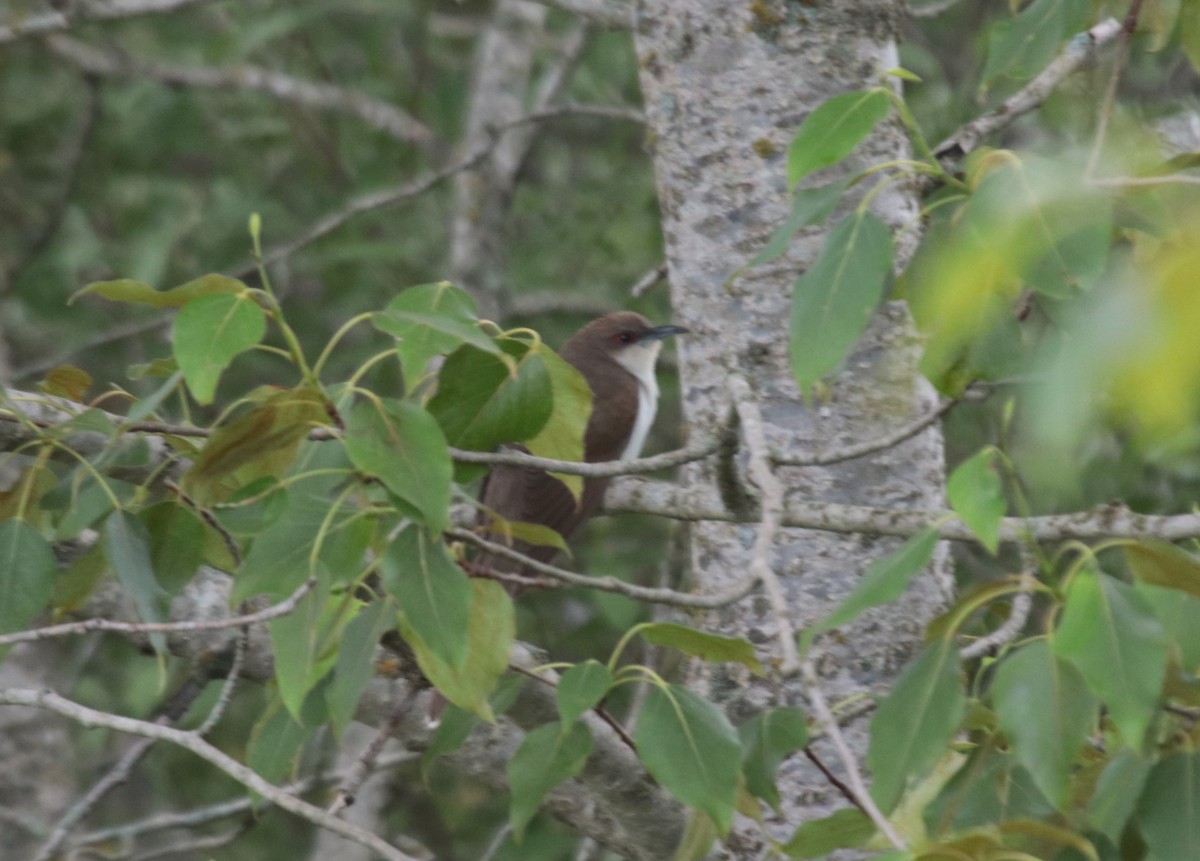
x: 726, y: 86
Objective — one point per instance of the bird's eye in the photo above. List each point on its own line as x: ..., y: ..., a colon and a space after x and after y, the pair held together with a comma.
x: 626, y: 337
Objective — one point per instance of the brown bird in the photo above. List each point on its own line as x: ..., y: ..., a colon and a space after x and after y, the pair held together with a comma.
x: 616, y: 354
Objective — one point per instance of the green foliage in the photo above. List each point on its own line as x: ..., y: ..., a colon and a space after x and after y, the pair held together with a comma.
x: 549, y: 755
x: 835, y: 299
x: 973, y: 491
x: 691, y: 749
x: 767, y: 739
x: 833, y: 130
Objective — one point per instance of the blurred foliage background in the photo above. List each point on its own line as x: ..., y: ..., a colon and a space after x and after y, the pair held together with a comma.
x: 105, y: 176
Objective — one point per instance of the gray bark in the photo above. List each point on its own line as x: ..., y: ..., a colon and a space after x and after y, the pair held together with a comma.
x: 725, y: 88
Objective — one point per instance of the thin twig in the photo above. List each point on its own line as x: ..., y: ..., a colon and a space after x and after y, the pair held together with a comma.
x: 221, y: 810
x: 771, y: 488
x: 364, y: 763
x: 388, y: 118
x: 190, y: 741
x: 604, y: 469
x: 1110, y: 93
x: 227, y: 688
x: 603, y: 13
x: 1078, y: 51
x: 655, y: 275
x: 612, y: 584
x: 111, y: 10
x: 870, y: 446
x: 118, y: 774
x: 857, y: 788
x: 284, y: 607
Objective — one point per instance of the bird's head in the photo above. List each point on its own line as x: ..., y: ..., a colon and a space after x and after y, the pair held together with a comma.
x: 626, y: 338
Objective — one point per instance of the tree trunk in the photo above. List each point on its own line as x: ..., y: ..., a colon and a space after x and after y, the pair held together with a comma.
x: 725, y: 89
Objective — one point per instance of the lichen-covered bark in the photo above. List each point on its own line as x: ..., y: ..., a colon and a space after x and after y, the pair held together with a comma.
x: 725, y: 86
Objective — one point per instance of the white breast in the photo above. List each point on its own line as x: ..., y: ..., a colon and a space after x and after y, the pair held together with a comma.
x: 639, y: 360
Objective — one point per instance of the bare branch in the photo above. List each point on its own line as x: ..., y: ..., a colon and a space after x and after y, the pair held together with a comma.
x: 870, y: 446
x: 111, y: 10
x: 665, y: 499
x: 829, y: 723
x: 604, y: 469
x: 89, y: 717
x: 750, y: 421
x: 611, y: 584
x: 603, y: 13
x: 1078, y: 51
x: 221, y: 810
x: 70, y: 628
x: 116, y: 775
x: 655, y: 275
x: 364, y: 763
x: 386, y: 117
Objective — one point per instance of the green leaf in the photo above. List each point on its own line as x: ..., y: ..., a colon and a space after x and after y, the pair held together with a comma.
x: 209, y: 333
x: 176, y: 544
x: 768, y: 739
x: 1168, y: 812
x: 430, y: 320
x: 27, y: 570
x: 1189, y: 32
x: 491, y: 628
x: 278, y: 561
x: 355, y: 665
x: 689, y: 747
x: 128, y: 290
x: 1162, y: 564
x: 700, y: 644
x: 561, y: 437
x: 127, y: 545
x: 263, y: 441
x: 885, y: 580
x: 455, y: 726
x: 835, y: 299
x: 1111, y: 634
x: 434, y: 593
x: 274, y: 743
x: 1046, y: 711
x: 1178, y: 614
x: 547, y: 756
x: 1116, y: 794
x: 833, y: 130
x: 580, y: 688
x: 404, y: 446
x: 848, y: 828
x: 481, y: 403
x: 1022, y: 46
x: 809, y: 206
x: 297, y: 640
x: 975, y: 494
x: 915, y: 722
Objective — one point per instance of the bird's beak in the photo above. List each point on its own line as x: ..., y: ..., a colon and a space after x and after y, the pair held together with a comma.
x: 660, y: 332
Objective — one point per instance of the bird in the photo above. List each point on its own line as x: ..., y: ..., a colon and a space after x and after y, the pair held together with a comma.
x: 616, y: 355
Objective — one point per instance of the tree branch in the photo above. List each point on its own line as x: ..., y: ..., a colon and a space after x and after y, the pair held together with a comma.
x: 643, y: 496
x: 397, y: 123
x: 89, y: 717
x: 650, y: 595
x: 602, y: 13
x: 1078, y: 51
x: 750, y: 422
x: 111, y: 10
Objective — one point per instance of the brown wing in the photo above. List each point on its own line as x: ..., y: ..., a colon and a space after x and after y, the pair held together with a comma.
x: 534, y: 496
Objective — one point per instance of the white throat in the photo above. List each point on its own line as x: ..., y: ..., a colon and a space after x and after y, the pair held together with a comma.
x: 639, y: 360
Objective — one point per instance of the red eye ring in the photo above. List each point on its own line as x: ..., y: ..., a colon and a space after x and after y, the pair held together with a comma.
x: 626, y: 337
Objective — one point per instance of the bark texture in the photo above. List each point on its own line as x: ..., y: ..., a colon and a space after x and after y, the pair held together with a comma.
x: 725, y: 87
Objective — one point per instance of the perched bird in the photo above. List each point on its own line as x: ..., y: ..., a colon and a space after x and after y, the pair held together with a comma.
x: 616, y: 354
